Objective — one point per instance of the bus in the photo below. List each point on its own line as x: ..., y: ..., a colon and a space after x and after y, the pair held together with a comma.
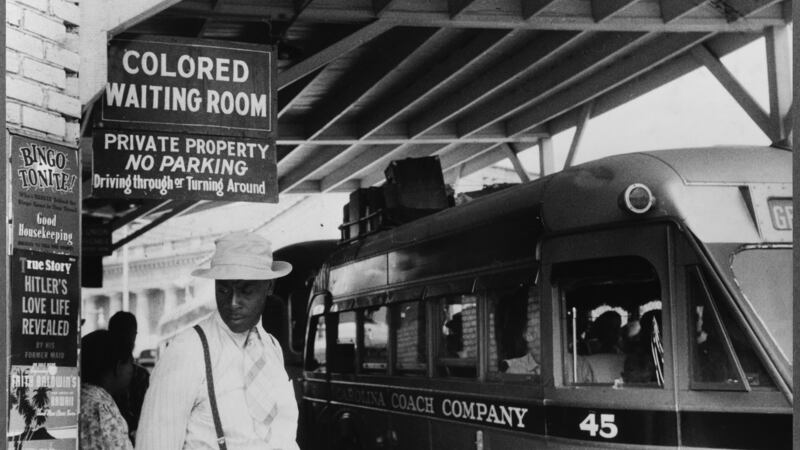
x: 636, y: 301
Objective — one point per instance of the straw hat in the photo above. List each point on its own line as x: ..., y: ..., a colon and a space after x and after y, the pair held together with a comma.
x: 243, y: 256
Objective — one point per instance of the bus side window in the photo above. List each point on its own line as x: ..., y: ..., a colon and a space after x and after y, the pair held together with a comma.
x: 409, y: 325
x: 316, y: 359
x: 344, y: 352
x: 458, y: 340
x: 718, y: 352
x: 611, y: 322
x: 515, y: 332
x: 375, y: 331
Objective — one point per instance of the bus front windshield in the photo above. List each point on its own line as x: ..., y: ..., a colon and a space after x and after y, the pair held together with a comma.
x: 765, y: 277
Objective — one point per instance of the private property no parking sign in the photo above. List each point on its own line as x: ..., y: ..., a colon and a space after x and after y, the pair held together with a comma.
x: 187, y: 119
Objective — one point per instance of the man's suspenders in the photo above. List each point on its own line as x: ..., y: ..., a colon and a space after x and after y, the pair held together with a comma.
x: 210, y: 383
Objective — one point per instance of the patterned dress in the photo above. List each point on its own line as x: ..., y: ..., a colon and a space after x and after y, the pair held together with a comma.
x: 102, y: 427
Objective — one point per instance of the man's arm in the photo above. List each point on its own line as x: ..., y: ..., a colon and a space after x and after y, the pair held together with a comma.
x: 171, y: 395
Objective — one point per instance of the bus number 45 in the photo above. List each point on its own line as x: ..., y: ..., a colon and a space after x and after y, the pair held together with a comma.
x: 606, y: 428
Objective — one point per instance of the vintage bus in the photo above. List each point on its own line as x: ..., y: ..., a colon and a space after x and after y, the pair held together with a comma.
x: 640, y: 300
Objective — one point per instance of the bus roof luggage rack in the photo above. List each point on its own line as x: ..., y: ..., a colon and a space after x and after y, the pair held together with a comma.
x: 414, y: 188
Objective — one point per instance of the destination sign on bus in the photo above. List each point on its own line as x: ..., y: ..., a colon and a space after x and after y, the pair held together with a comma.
x: 781, y: 211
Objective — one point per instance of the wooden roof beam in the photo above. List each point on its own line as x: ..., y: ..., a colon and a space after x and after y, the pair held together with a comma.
x: 737, y: 91
x: 779, y: 78
x: 531, y: 8
x: 362, y: 79
x: 365, y: 168
x: 583, y: 120
x: 147, y: 207
x: 381, y: 6
x: 485, y: 158
x: 651, y: 55
x: 398, y: 136
x: 289, y: 95
x: 603, y: 9
x: 307, y: 167
x: 511, y: 153
x: 457, y: 7
x: 505, y: 17
x: 456, y: 157
x: 439, y: 76
x: 542, y: 51
x: 579, y: 64
x: 650, y: 80
x: 207, y: 21
x: 360, y: 163
x: 672, y: 10
x: 313, y: 187
x: 547, y: 159
x: 343, y: 135
x: 177, y: 209
x: 323, y: 57
x: 738, y: 9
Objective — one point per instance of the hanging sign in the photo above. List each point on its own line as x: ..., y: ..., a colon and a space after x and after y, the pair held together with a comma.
x: 96, y: 237
x: 187, y: 119
x: 45, y: 195
x: 193, y: 85
x: 140, y: 164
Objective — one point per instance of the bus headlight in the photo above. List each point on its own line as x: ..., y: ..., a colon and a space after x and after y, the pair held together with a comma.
x: 637, y: 198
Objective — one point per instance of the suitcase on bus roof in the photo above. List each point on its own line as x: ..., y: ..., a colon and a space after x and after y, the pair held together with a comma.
x: 415, y: 183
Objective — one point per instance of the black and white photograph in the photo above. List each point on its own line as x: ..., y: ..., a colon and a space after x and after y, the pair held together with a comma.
x: 399, y: 224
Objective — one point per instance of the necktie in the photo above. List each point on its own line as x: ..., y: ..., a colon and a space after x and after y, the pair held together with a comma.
x: 257, y: 384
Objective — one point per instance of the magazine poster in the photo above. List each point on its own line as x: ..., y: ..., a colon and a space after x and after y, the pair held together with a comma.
x: 43, y: 407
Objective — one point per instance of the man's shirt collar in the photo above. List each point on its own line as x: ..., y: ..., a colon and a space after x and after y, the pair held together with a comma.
x: 240, y: 339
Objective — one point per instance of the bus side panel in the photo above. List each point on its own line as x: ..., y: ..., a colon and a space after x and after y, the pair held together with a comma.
x: 736, y: 430
x: 411, y: 432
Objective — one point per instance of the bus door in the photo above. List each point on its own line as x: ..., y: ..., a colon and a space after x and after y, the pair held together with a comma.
x: 608, y: 341
x: 726, y: 396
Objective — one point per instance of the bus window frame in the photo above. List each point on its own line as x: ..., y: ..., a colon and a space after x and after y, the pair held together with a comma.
x: 361, y: 346
x: 498, y: 282
x: 448, y: 361
x: 650, y: 241
x: 393, y: 313
x: 730, y: 353
x: 313, y: 324
x: 689, y: 251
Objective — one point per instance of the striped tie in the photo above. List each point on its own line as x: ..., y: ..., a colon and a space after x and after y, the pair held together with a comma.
x: 257, y: 385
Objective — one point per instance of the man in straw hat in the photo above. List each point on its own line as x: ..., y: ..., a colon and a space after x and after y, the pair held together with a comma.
x: 235, y: 393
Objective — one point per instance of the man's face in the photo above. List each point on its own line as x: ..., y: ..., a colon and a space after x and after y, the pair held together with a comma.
x: 241, y: 302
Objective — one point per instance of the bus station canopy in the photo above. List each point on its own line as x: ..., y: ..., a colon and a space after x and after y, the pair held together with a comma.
x: 361, y: 83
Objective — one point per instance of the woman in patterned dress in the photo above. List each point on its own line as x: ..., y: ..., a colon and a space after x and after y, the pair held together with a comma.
x: 106, y: 369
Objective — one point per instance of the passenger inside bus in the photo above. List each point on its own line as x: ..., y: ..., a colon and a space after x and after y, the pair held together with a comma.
x: 529, y: 362
x: 720, y: 347
x: 605, y: 358
x: 644, y: 361
x: 459, y: 336
x: 611, y: 322
x: 515, y: 331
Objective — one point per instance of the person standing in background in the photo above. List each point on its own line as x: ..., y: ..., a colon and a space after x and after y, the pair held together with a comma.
x: 124, y: 328
x: 106, y: 369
